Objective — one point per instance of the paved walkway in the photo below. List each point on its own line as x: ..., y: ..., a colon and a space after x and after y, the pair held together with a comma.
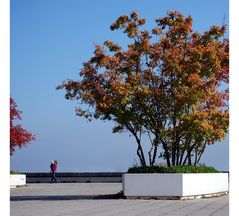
x: 98, y: 199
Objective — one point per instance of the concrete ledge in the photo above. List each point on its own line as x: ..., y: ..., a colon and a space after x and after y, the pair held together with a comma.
x: 17, y: 180
x: 175, y: 186
x: 205, y: 196
x: 101, y: 177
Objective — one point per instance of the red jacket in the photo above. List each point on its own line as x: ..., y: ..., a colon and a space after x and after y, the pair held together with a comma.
x: 53, y: 167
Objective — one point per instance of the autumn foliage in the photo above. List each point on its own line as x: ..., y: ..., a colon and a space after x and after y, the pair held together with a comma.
x: 170, y: 84
x: 18, y: 136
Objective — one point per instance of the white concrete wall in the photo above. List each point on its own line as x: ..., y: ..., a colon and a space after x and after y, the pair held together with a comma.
x: 17, y: 180
x: 160, y: 185
x: 204, y: 183
x: 152, y: 184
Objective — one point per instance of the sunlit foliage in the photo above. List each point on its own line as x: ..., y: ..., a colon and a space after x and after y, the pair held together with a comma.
x: 18, y: 136
x: 171, y: 84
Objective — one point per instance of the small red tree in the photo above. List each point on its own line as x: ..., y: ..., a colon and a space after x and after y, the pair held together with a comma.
x: 18, y: 136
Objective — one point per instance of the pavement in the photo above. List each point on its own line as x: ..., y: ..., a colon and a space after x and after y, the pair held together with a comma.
x: 101, y: 199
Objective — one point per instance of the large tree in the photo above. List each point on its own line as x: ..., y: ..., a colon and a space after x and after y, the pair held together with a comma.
x: 18, y: 136
x: 170, y: 84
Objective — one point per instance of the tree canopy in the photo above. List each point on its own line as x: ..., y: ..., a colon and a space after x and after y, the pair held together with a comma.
x: 170, y: 83
x: 18, y: 136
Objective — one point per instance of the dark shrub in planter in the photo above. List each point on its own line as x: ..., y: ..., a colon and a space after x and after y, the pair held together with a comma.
x: 173, y: 169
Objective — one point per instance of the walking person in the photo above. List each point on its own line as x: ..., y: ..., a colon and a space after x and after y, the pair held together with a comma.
x: 53, y: 167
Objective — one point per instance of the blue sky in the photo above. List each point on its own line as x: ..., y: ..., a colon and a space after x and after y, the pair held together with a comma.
x: 49, y: 42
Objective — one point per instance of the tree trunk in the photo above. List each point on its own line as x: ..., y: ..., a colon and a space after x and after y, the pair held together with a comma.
x: 150, y: 156
x: 188, y: 156
x: 140, y: 152
x: 165, y: 147
x: 154, y: 155
x: 196, y: 156
x: 150, y: 151
x: 201, y: 152
x: 173, y: 154
x: 183, y: 151
x: 177, y: 153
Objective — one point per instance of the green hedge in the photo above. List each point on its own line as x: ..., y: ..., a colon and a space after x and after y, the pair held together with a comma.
x: 173, y: 169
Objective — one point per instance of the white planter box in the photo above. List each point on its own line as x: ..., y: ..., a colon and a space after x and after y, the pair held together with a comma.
x: 174, y: 185
x: 17, y: 180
